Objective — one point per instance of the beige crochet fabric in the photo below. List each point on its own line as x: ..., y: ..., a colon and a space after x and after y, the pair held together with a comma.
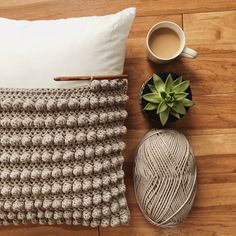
x: 60, y: 155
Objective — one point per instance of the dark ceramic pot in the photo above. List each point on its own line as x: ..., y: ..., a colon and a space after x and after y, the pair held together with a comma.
x: 152, y: 114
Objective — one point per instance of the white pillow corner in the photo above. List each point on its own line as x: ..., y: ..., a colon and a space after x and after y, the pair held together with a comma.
x: 34, y: 52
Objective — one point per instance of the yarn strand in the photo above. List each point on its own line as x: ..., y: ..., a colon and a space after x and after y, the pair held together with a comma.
x: 165, y: 177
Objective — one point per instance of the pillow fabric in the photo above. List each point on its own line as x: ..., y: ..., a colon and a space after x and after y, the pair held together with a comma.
x: 61, y: 155
x: 34, y: 52
x: 61, y: 143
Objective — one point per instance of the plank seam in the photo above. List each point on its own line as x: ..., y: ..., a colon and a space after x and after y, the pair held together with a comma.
x: 206, y: 12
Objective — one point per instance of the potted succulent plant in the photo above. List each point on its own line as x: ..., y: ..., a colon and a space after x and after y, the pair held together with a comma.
x: 166, y: 97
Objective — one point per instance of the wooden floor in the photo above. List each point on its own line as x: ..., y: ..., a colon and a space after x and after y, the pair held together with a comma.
x: 210, y: 27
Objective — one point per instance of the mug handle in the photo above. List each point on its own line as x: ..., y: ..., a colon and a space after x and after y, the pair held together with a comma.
x: 188, y: 52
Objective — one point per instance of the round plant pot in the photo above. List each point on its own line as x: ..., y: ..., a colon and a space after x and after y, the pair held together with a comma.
x: 152, y: 115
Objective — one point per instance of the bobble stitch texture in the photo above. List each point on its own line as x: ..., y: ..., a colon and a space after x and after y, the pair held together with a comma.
x: 76, y: 202
x: 51, y: 105
x: 36, y: 189
x: 5, y: 158
x: 5, y: 122
x: 56, y: 204
x: 68, y: 156
x: 78, y: 170
x: 47, y: 140
x: 56, y: 188
x: 95, y: 85
x: 60, y: 159
x: 73, y: 104
x: 16, y: 123
x: 6, y: 104
x: 28, y: 105
x: 93, y: 119
x: 62, y: 104
x: 15, y: 140
x: 82, y: 120
x: 17, y: 104
x: 56, y: 172
x: 6, y: 191
x: 89, y: 152
x: 71, y: 121
x: 36, y: 157
x: 77, y: 186
x: 49, y: 122
x: 25, y: 157
x: 25, y: 174
x: 27, y: 122
x: 26, y: 190
x: 79, y: 154
x: 40, y: 105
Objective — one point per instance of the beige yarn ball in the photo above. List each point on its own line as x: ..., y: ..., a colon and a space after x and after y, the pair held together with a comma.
x: 165, y: 177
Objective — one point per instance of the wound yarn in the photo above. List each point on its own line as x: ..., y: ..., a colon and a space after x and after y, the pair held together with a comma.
x: 165, y: 177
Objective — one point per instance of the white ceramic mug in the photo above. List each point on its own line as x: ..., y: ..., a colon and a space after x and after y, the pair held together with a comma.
x: 183, y: 50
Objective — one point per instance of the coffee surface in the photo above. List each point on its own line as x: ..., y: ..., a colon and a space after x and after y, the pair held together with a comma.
x: 164, y: 42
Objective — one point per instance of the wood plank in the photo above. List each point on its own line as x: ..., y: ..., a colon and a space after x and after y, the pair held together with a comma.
x: 208, y: 223
x: 135, y: 46
x: 211, y: 32
x: 50, y: 9
x: 203, y: 145
x: 208, y: 74
x: 210, y: 124
x: 47, y: 230
x: 214, y: 211
x: 212, y: 112
x: 218, y: 144
x: 198, y: 72
x: 210, y: 166
x: 213, y: 23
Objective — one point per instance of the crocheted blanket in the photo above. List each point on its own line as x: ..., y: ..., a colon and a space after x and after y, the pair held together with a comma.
x: 60, y: 155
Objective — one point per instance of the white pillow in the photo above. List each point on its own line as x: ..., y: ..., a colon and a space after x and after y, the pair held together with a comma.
x: 32, y: 53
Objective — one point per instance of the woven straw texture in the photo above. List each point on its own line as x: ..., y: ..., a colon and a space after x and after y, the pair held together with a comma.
x: 165, y: 177
x: 60, y: 155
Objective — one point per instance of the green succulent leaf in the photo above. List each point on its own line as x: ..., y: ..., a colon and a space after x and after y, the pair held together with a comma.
x: 168, y: 98
x: 169, y: 83
x: 152, y: 97
x: 152, y: 88
x: 162, y: 107
x: 164, y: 116
x: 178, y: 81
x: 181, y: 87
x: 179, y: 107
x: 150, y: 107
x: 159, y: 84
x: 175, y: 114
x: 163, y: 94
x: 180, y: 96
x: 170, y: 104
x: 187, y: 102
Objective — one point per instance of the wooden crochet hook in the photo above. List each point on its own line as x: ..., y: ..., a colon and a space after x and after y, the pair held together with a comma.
x: 99, y: 77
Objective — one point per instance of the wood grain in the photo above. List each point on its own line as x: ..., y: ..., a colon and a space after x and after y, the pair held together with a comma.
x: 208, y: 111
x: 211, y: 32
x: 136, y: 41
x: 214, y: 203
x: 50, y: 9
x: 210, y: 125
x: 209, y: 73
x: 36, y: 230
x: 204, y: 144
